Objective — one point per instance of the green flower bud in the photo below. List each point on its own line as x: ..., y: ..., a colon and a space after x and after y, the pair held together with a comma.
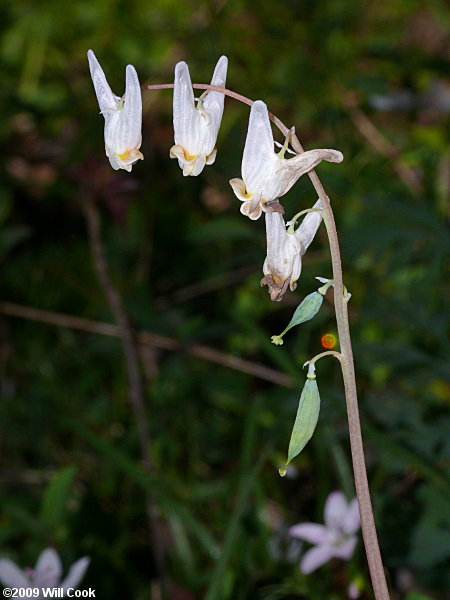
x: 307, y: 309
x: 305, y: 421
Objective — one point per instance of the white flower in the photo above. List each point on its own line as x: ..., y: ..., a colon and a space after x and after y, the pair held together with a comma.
x: 196, y: 127
x: 46, y: 574
x: 285, y: 250
x: 123, y: 116
x: 334, y: 539
x: 267, y: 175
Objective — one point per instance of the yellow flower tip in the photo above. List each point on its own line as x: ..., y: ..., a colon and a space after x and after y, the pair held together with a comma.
x: 239, y: 189
x: 123, y: 156
x: 180, y: 152
x: 132, y: 154
x: 190, y: 157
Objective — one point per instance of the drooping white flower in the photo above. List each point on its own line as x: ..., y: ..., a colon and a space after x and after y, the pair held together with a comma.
x: 334, y: 539
x: 196, y: 127
x: 285, y: 250
x: 123, y: 116
x: 46, y: 574
x: 267, y: 175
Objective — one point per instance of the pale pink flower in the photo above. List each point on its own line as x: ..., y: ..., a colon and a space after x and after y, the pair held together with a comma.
x: 46, y: 574
x: 353, y: 591
x: 335, y: 539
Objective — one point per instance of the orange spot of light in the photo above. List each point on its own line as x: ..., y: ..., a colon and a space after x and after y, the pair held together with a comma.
x: 328, y: 341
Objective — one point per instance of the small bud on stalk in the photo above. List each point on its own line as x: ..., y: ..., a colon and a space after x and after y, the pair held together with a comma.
x: 307, y: 309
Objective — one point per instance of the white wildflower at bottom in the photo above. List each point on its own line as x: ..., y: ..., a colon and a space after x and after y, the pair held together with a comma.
x: 335, y: 539
x: 286, y: 249
x: 46, y: 574
x: 353, y: 591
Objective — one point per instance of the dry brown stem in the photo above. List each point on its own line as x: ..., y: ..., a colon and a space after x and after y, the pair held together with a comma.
x: 150, y: 339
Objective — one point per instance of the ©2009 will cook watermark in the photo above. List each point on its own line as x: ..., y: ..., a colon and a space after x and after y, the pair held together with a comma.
x: 55, y: 592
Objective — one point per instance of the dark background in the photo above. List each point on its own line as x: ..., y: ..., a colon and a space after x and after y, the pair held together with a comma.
x: 367, y: 78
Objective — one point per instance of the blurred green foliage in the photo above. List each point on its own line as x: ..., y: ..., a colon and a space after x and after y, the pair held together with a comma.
x: 188, y: 266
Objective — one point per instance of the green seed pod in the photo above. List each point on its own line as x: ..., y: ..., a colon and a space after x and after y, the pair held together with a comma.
x: 305, y: 421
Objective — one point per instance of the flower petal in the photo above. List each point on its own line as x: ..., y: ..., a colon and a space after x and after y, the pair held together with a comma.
x: 48, y: 569
x: 196, y: 167
x: 352, y: 521
x: 310, y: 532
x: 211, y: 157
x: 259, y: 147
x: 315, y: 558
x: 282, y: 266
x: 345, y: 550
x: 251, y: 208
x: 289, y: 170
x: 177, y: 151
x: 114, y: 161
x: 131, y: 114
x: 214, y: 101
x: 277, y: 287
x: 239, y: 189
x: 309, y: 226
x: 185, y: 114
x: 11, y: 575
x: 220, y: 74
x: 296, y: 271
x: 353, y: 591
x: 106, y: 99
x: 76, y: 573
x: 335, y: 510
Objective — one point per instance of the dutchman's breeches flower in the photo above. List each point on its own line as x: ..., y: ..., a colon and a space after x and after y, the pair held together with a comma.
x: 123, y: 116
x: 285, y: 250
x: 267, y: 175
x: 196, y: 127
